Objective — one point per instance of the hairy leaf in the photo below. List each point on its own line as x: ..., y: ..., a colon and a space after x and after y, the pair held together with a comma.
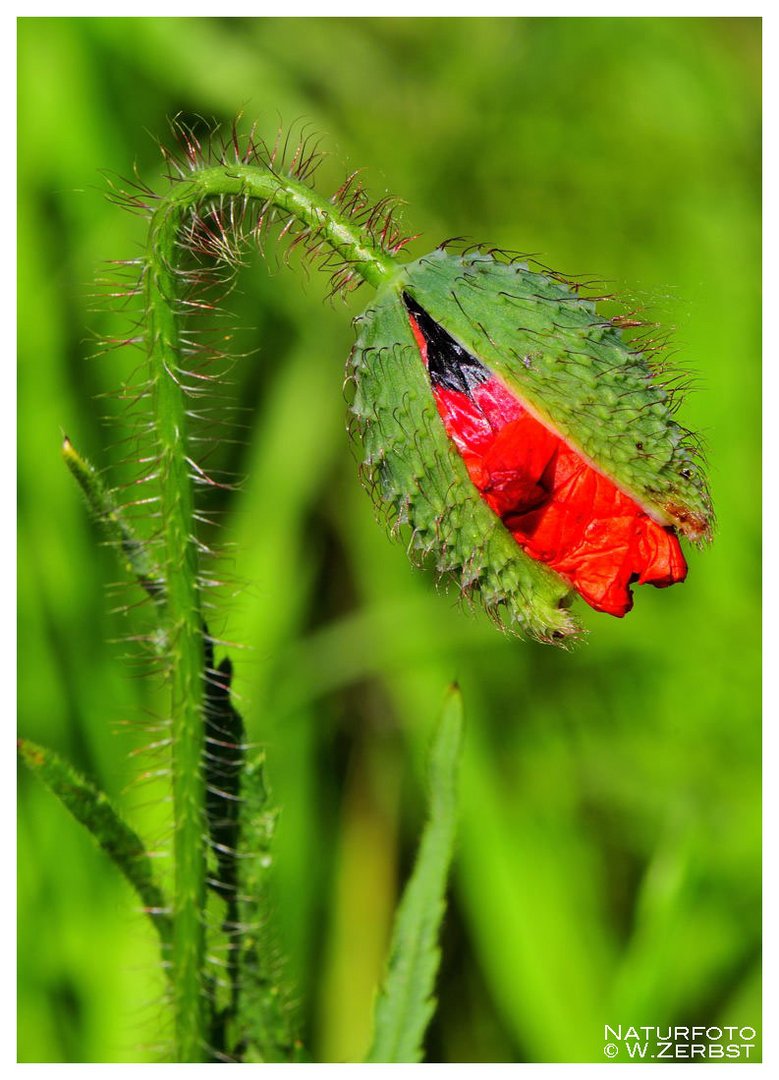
x: 264, y: 1017
x: 109, y: 514
x: 94, y: 810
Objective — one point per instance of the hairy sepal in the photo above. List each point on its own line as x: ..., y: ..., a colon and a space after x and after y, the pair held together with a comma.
x: 421, y: 485
x: 575, y: 371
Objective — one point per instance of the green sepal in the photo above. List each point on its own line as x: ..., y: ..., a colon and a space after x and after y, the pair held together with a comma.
x: 94, y: 810
x: 575, y: 371
x: 421, y: 485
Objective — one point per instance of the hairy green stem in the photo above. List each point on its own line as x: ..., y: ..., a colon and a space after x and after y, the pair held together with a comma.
x: 186, y: 640
x: 180, y: 569
x: 253, y: 182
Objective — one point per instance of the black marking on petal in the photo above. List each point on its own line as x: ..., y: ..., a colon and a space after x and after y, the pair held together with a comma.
x: 448, y: 364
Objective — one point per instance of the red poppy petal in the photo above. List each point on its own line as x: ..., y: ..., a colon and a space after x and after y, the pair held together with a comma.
x: 559, y: 509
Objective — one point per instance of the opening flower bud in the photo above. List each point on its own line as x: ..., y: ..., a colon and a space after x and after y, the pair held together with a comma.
x: 530, y: 449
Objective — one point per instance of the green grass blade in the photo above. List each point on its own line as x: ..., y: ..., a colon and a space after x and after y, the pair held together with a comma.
x: 406, y: 1004
x: 94, y: 810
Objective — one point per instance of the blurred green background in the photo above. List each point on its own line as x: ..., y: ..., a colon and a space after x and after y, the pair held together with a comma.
x: 609, y: 853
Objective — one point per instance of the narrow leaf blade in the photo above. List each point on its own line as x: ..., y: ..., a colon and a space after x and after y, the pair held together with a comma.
x: 93, y: 809
x: 406, y: 1004
x: 110, y: 516
x: 266, y: 1020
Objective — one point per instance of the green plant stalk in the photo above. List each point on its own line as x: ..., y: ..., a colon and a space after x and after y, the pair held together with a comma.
x: 253, y: 182
x: 180, y: 566
x: 186, y: 640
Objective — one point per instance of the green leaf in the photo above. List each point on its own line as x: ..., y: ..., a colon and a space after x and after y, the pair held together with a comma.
x: 405, y: 1005
x: 265, y: 1018
x: 109, y: 514
x: 94, y: 810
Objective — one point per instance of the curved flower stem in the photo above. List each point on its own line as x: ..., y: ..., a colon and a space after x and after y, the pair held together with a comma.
x: 185, y: 625
x: 254, y: 182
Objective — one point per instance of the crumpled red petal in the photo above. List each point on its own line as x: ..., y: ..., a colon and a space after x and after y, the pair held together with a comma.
x: 559, y: 508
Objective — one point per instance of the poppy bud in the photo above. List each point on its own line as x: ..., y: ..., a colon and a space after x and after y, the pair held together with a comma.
x: 531, y: 451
